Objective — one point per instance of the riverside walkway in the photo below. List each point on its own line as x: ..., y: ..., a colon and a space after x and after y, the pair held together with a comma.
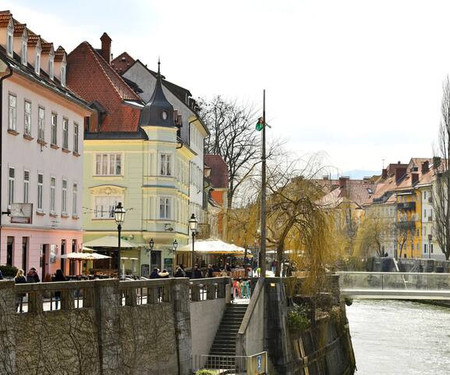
x: 395, y: 285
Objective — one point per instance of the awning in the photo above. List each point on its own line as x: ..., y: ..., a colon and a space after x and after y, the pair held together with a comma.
x: 110, y: 241
x: 212, y: 246
x: 84, y: 256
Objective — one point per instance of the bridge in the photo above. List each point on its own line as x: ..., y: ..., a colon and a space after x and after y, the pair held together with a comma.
x: 395, y: 285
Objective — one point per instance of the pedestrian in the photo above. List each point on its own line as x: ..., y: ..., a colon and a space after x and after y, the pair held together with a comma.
x: 197, y: 272
x: 58, y: 276
x: 164, y: 274
x: 210, y: 271
x: 32, y: 276
x: 236, y: 289
x: 154, y: 274
x: 20, y: 279
x: 1, y: 275
x: 180, y: 272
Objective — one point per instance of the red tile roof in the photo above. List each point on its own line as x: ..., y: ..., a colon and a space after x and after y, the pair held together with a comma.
x: 5, y: 16
x: 122, y: 62
x: 219, y: 171
x: 92, y: 78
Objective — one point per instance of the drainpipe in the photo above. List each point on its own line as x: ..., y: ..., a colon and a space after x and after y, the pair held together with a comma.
x: 4, y: 66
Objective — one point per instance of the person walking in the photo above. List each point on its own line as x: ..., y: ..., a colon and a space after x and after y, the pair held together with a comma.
x: 59, y: 276
x: 20, y: 279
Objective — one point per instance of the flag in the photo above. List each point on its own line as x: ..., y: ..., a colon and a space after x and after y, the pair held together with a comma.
x: 260, y: 124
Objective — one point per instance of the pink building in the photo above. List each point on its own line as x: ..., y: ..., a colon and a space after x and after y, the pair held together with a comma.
x: 41, y: 162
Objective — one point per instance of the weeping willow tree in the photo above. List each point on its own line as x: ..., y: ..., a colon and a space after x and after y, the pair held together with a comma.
x: 371, y: 236
x: 296, y: 221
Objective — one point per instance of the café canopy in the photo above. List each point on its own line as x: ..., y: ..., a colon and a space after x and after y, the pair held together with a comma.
x: 213, y: 246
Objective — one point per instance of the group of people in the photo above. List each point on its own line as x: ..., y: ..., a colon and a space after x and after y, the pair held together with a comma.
x: 33, y: 277
x: 241, y: 288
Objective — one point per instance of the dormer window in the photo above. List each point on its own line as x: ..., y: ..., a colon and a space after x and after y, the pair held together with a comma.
x: 9, y: 40
x: 51, y: 69
x: 37, y: 65
x: 24, y: 51
x: 63, y: 75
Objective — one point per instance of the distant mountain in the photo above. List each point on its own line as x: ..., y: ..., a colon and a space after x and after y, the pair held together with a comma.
x: 357, y: 174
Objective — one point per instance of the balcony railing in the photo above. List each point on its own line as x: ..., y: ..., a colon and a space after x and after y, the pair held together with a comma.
x: 406, y: 206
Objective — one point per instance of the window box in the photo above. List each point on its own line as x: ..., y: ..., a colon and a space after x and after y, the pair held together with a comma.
x: 28, y: 137
x: 65, y: 150
x: 54, y: 147
x: 40, y: 213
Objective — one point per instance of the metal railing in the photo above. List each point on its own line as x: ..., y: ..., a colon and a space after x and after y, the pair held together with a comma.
x: 253, y: 364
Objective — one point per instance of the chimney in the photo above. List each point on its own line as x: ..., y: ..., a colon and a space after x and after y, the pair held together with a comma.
x: 425, y: 167
x: 384, y: 173
x: 106, y: 47
x: 414, y: 178
x: 343, y: 182
x: 436, y: 162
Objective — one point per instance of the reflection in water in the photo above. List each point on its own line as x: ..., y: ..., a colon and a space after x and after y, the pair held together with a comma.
x: 400, y: 337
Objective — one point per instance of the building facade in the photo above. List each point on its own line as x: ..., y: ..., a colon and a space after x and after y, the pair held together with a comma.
x: 41, y: 153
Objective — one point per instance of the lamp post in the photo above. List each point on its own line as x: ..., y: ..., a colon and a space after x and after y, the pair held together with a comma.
x: 430, y: 237
x: 150, y: 248
x: 119, y: 217
x: 174, y: 248
x: 193, y: 227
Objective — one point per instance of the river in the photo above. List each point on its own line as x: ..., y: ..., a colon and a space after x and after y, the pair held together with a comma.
x: 400, y: 337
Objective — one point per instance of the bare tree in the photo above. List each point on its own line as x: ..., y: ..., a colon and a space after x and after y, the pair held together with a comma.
x: 442, y: 184
x: 233, y: 137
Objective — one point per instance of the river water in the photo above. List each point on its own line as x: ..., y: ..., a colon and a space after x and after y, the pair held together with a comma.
x: 400, y: 337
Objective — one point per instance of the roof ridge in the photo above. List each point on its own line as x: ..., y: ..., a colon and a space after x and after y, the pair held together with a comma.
x: 101, y: 64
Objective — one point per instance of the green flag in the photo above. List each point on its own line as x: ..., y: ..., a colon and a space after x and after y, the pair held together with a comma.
x: 260, y: 124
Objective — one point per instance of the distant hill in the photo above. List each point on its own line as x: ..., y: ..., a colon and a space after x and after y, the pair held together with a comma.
x: 358, y: 174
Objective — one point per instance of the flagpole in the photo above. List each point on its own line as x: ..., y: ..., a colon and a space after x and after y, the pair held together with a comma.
x: 263, y: 191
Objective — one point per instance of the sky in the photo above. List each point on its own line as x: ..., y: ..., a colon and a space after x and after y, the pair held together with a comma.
x: 358, y: 80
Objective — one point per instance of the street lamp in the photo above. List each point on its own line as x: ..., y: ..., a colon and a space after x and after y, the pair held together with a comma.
x: 174, y: 248
x: 430, y: 237
x: 150, y: 248
x: 193, y: 227
x: 119, y: 217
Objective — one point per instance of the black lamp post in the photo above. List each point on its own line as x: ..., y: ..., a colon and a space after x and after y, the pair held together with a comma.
x: 174, y: 248
x: 119, y: 217
x: 150, y: 249
x: 430, y: 238
x: 193, y: 227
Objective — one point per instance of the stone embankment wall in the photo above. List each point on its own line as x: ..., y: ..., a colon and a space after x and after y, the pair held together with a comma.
x: 102, y: 327
x: 324, y: 348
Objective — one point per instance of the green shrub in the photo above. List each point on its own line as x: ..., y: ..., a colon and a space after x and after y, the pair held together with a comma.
x: 206, y: 372
x: 8, y: 271
x: 298, y: 318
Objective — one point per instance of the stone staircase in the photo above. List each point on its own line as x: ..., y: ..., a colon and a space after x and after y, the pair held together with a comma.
x: 224, y: 344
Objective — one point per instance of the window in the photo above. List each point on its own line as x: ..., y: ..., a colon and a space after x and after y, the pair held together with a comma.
x: 9, y: 40
x: 11, y: 185
x: 27, y: 118
x: 425, y: 248
x: 54, y: 140
x: 431, y: 248
x: 52, y: 195
x: 424, y: 195
x: 75, y: 137
x: 65, y: 134
x: 40, y: 188
x: 51, y: 72
x: 75, y: 200
x: 37, y: 65
x: 24, y: 51
x: 165, y: 165
x: 104, y: 206
x: 164, y: 208
x: 26, y: 186
x: 425, y: 212
x: 108, y: 164
x: 41, y: 124
x: 12, y: 112
x: 64, y: 197
x: 63, y: 75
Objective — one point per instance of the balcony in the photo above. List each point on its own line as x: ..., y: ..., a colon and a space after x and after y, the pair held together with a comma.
x: 406, y: 225
x: 406, y: 206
